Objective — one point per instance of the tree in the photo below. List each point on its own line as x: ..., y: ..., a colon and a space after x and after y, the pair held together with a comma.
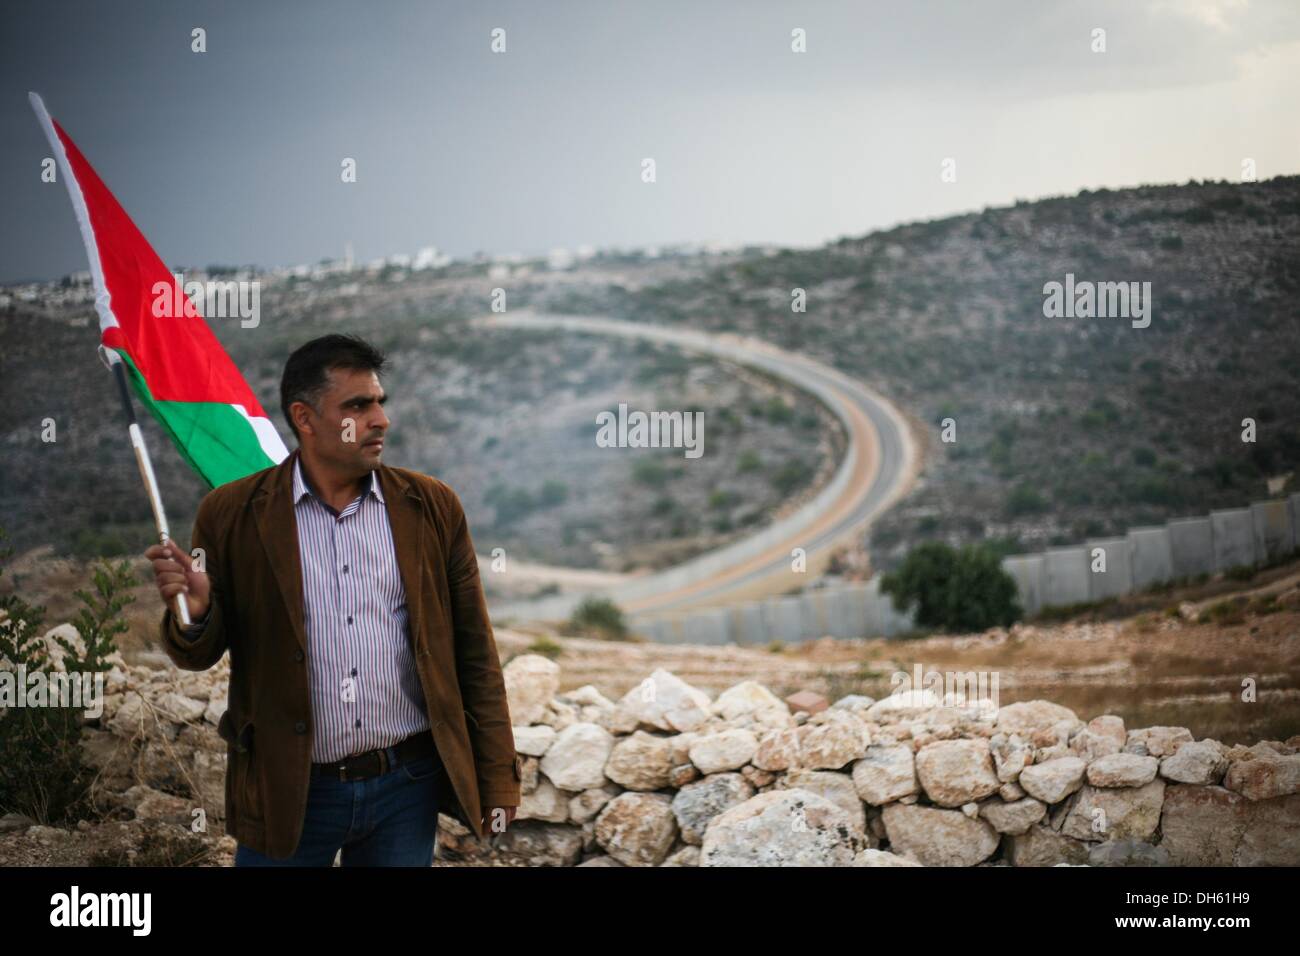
x: 953, y: 590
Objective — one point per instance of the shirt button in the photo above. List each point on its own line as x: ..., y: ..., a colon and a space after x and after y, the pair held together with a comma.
x: 300, y: 727
x: 297, y: 655
x: 345, y: 569
x: 349, y: 618
x: 358, y: 723
x: 354, y: 672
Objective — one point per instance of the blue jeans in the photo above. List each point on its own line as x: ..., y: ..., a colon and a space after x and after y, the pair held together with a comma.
x: 388, y: 820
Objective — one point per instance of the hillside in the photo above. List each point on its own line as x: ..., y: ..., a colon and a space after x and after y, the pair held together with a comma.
x: 1065, y: 427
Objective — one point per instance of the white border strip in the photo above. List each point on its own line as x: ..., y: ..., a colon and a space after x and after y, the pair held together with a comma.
x: 103, y: 300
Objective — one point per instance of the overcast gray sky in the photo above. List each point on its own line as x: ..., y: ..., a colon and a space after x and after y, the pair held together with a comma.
x: 233, y: 155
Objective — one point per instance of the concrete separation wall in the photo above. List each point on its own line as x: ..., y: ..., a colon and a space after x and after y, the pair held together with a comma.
x: 1234, y: 538
x: 1151, y: 556
x: 1192, y: 543
x: 1274, y: 536
x: 1027, y: 569
x: 1184, y: 548
x: 1113, y: 555
x: 854, y: 610
x: 1065, y: 576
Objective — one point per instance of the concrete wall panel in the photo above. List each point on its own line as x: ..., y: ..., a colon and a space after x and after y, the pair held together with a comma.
x: 1272, y: 526
x: 1027, y: 569
x: 784, y: 619
x: 1234, y: 538
x: 1191, y: 542
x: 1065, y: 577
x: 1117, y: 579
x: 1151, y: 556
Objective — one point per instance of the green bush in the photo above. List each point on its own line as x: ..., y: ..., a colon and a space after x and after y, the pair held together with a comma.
x: 1024, y: 499
x: 791, y: 475
x: 598, y: 617
x: 953, y: 590
x: 42, y: 775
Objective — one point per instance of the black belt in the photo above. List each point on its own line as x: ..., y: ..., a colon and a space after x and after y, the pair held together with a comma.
x: 372, y: 763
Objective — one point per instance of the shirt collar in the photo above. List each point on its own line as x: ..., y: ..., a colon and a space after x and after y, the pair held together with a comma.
x: 302, y: 487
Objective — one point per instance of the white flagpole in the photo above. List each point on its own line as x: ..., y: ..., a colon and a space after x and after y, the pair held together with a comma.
x: 118, y: 367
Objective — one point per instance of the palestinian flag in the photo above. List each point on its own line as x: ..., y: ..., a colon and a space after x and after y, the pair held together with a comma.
x: 175, y: 364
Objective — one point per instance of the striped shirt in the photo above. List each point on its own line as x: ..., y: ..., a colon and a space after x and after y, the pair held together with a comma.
x: 365, y: 691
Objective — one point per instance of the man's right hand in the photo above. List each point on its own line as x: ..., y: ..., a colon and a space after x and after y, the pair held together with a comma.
x: 175, y: 574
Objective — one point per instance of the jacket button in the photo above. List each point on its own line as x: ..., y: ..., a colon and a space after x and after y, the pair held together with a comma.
x: 300, y: 727
x: 297, y: 655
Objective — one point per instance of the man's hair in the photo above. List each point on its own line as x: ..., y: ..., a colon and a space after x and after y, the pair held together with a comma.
x: 306, y: 374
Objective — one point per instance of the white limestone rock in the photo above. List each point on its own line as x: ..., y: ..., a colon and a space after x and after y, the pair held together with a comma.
x: 666, y: 702
x: 836, y: 787
x: 1157, y: 741
x: 637, y: 829
x: 584, y: 806
x: 1100, y: 737
x: 1200, y: 762
x: 533, y: 741
x: 781, y: 828
x: 1122, y: 770
x: 887, y: 772
x: 871, y: 857
x: 642, y: 761
x: 1025, y: 717
x: 576, y: 759
x: 1053, y: 781
x: 1014, y: 818
x: 720, y: 752
x: 545, y: 802
x: 935, y: 837
x: 696, y: 804
x: 954, y: 772
x: 531, y: 681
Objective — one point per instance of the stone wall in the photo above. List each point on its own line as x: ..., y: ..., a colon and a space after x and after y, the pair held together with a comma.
x: 665, y: 776
x: 668, y: 776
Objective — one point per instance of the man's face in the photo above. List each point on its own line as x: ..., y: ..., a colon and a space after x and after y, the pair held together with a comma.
x: 348, y: 433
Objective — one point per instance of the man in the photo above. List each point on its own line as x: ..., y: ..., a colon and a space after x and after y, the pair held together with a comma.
x: 365, y: 688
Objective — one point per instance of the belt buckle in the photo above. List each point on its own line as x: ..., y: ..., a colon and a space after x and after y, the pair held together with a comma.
x: 352, y: 768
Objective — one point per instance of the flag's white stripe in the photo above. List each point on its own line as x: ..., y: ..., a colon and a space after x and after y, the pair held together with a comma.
x: 103, y: 300
x: 266, y: 434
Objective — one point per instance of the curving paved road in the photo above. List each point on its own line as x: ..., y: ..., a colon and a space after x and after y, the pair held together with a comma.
x: 879, y: 466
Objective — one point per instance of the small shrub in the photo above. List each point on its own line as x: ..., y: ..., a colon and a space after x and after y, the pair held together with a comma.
x: 546, y: 647
x: 598, y: 617
x: 41, y: 770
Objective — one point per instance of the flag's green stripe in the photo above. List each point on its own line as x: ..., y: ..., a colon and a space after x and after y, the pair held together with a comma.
x: 217, y: 441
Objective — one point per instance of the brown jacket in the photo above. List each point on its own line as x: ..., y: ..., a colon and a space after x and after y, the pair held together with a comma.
x: 249, y: 536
